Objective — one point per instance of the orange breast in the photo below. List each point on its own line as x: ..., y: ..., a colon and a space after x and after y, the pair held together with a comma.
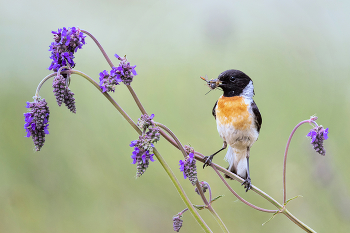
x: 233, y: 111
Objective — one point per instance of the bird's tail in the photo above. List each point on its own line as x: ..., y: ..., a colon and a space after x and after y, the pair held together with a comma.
x: 237, y: 162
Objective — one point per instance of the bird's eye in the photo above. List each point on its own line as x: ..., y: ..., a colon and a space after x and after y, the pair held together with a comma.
x: 232, y: 79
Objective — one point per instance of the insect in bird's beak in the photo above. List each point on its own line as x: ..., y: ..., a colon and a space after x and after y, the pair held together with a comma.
x: 213, y: 83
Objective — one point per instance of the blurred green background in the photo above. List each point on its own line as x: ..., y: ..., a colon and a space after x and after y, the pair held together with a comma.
x: 296, y: 52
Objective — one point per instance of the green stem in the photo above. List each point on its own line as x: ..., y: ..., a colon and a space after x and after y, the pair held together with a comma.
x: 297, y: 221
x: 156, y: 153
x: 181, y: 191
x: 199, y: 188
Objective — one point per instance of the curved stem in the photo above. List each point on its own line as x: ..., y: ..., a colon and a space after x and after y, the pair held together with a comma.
x: 199, y: 188
x: 131, y: 90
x: 286, y: 152
x: 99, y: 46
x: 240, y: 198
x: 181, y: 191
x: 42, y: 83
x: 297, y: 221
x: 137, y: 101
x: 157, y: 154
x: 174, y: 137
x: 115, y: 104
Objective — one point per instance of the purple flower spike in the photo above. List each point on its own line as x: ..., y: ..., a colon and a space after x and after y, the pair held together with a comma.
x: 59, y: 88
x: 66, y: 42
x: 36, y: 121
x: 189, y: 169
x: 318, y: 135
x: 69, y: 100
x: 177, y: 222
x: 143, y: 147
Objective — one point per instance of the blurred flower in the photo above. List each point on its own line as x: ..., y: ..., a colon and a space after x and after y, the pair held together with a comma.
x: 317, y: 135
x: 124, y: 71
x: 37, y: 121
x: 108, y: 82
x: 145, y: 121
x: 66, y: 42
x: 177, y: 222
x: 204, y: 185
x: 189, y: 169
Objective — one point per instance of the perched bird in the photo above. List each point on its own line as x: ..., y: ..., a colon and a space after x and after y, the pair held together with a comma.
x: 238, y: 121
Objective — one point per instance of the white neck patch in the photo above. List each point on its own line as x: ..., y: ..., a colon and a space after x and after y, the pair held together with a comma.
x: 248, y: 91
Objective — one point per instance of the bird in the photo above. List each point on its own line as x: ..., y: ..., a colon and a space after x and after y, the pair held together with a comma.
x: 238, y: 121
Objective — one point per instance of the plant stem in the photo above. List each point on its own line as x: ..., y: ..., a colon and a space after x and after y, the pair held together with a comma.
x: 199, y: 188
x: 286, y: 152
x: 131, y: 90
x: 181, y: 191
x: 297, y: 221
x: 157, y: 154
x: 99, y: 46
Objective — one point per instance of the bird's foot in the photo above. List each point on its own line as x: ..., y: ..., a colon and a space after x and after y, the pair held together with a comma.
x: 207, y: 160
x: 247, y: 184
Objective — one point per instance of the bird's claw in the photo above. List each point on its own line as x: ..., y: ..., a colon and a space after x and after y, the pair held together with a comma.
x: 207, y: 160
x: 247, y: 184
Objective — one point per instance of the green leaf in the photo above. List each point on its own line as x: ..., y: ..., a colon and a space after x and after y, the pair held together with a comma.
x: 292, y: 199
x: 215, y: 198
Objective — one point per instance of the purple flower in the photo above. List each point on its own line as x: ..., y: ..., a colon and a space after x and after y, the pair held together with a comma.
x: 143, y: 147
x: 124, y: 72
x: 141, y: 158
x: 177, y: 222
x: 69, y: 100
x: 59, y: 88
x: 36, y: 121
x: 66, y: 42
x: 145, y: 121
x: 318, y: 135
x: 189, y: 169
x: 204, y: 185
x: 108, y: 82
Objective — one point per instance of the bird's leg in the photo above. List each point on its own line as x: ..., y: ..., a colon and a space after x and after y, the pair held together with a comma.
x: 247, y: 183
x: 208, y: 159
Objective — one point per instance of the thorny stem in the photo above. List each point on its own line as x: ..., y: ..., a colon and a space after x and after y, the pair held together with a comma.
x: 311, y: 120
x: 156, y: 153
